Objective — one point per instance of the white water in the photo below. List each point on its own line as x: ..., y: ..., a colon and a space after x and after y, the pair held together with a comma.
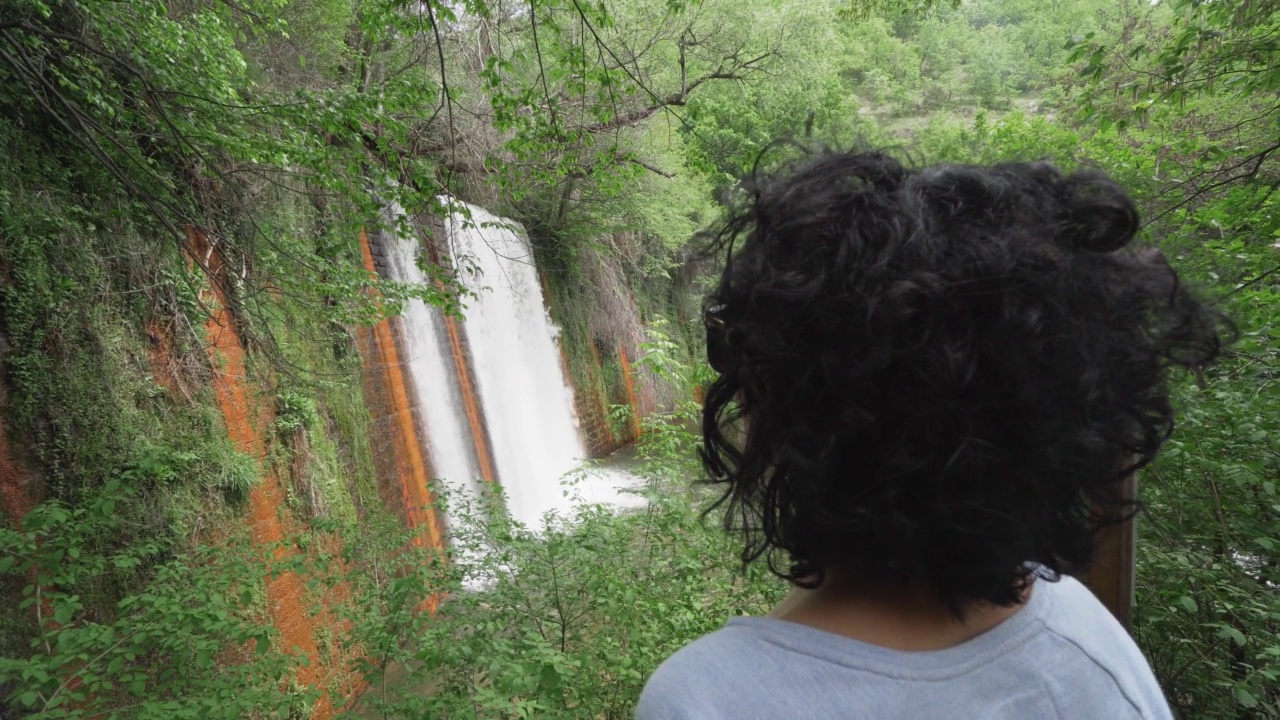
x: 528, y: 406
x: 430, y: 365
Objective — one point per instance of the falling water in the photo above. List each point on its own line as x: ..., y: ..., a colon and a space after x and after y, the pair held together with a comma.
x: 430, y: 365
x: 527, y: 404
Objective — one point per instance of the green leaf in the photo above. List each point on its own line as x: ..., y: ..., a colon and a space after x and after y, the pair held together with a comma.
x: 1237, y: 636
x: 1188, y: 603
x: 1245, y: 698
x: 549, y: 678
x: 1228, y: 631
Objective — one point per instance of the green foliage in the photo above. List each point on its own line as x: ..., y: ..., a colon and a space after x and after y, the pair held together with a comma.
x: 187, y: 644
x: 164, y: 104
x: 234, y: 474
x: 396, y: 579
x: 1208, y: 549
x: 1213, y: 533
x: 106, y: 376
x: 295, y: 411
x: 662, y: 355
x: 727, y: 126
x: 1187, y: 81
x: 908, y: 59
x: 549, y: 630
x: 998, y: 70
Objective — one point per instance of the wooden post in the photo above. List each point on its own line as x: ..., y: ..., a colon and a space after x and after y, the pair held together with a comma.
x: 1111, y: 577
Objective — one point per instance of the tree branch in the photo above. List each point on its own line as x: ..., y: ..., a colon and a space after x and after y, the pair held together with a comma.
x: 652, y: 169
x: 676, y: 99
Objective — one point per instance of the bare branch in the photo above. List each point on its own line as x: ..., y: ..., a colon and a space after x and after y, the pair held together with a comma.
x: 444, y: 82
x: 651, y: 168
x: 676, y: 99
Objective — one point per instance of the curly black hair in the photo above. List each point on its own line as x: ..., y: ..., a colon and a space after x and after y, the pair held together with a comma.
x: 943, y: 376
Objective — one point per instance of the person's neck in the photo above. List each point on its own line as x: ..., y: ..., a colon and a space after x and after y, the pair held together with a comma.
x: 898, y: 619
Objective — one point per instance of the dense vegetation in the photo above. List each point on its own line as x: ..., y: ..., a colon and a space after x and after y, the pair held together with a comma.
x: 610, y: 130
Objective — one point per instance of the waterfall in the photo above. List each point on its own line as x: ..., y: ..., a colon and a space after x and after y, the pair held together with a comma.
x: 527, y: 404
x: 427, y: 357
x: 524, y: 401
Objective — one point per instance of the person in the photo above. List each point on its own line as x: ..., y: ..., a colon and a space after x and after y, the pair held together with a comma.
x: 932, y: 384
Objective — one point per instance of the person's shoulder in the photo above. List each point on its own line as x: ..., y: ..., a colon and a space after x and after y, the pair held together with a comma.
x: 1079, y: 619
x: 693, y: 682
x: 1100, y: 651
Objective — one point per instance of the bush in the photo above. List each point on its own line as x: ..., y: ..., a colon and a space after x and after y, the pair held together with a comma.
x: 573, y: 618
x: 192, y: 642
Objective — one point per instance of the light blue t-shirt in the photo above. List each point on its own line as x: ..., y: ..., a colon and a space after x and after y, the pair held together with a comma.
x: 1061, y: 656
